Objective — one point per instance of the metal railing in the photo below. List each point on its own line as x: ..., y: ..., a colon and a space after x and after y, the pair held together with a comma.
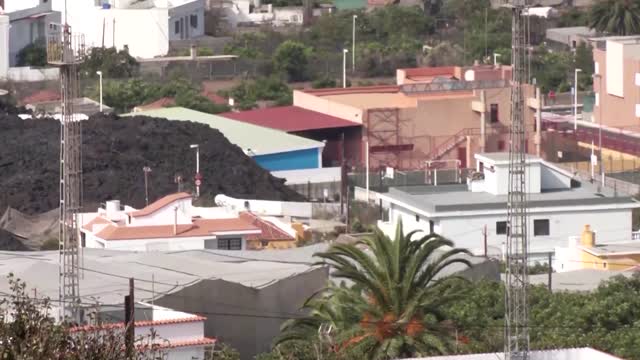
x: 453, y: 85
x: 64, y: 47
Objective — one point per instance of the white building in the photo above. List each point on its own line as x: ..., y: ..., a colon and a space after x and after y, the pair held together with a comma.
x: 254, y: 12
x: 555, y: 354
x: 177, y: 335
x: 170, y: 223
x: 559, y: 206
x: 144, y: 26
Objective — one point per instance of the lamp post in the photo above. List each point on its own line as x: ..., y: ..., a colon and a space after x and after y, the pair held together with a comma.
x: 344, y: 67
x: 100, y: 76
x: 198, y: 176
x: 575, y: 99
x: 599, y: 104
x: 146, y: 171
x: 495, y: 59
x: 353, y: 49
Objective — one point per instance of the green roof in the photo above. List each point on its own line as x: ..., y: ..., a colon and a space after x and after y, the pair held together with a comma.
x: 260, y: 140
x: 350, y: 4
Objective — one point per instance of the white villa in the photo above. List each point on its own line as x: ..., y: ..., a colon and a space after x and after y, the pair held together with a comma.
x: 170, y: 223
x: 559, y: 206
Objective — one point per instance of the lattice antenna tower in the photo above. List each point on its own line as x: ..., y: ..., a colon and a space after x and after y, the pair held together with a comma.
x: 66, y: 51
x: 517, y: 278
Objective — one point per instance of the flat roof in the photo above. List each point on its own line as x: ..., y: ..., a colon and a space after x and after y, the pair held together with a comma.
x: 259, y: 139
x: 577, y: 280
x: 501, y: 158
x: 628, y: 248
x: 290, y: 119
x: 555, y: 354
x: 445, y: 198
x: 573, y: 30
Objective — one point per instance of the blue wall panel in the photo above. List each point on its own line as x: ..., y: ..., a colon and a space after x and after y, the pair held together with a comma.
x: 291, y: 160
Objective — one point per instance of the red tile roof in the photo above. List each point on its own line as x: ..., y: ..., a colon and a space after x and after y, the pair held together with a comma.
x: 215, y: 98
x: 289, y: 119
x: 199, y: 227
x: 144, y: 323
x: 268, y: 229
x: 185, y: 343
x: 41, y: 96
x: 159, y: 204
x: 158, y: 104
x: 95, y: 221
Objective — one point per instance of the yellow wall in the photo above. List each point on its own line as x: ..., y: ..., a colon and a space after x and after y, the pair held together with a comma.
x: 613, y: 263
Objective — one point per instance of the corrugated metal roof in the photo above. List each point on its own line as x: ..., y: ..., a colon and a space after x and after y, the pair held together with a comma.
x: 260, y: 140
x: 290, y: 119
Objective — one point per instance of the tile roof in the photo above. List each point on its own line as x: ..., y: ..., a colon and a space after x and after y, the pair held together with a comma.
x: 268, y: 230
x: 158, y: 104
x: 290, y: 119
x: 143, y: 323
x: 261, y: 140
x: 185, y: 343
x: 159, y: 204
x: 41, y: 96
x: 95, y: 221
x: 199, y: 227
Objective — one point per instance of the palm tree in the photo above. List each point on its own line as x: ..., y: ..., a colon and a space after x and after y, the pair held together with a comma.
x: 619, y: 17
x: 392, y: 304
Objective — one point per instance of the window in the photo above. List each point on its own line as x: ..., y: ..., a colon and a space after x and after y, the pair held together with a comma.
x: 501, y: 227
x: 500, y: 145
x: 176, y: 27
x: 541, y: 227
x: 193, y: 20
x: 417, y: 218
x: 494, y: 113
x: 230, y: 244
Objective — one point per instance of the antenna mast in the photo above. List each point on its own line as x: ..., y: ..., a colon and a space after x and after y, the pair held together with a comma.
x: 517, y: 278
x: 65, y: 51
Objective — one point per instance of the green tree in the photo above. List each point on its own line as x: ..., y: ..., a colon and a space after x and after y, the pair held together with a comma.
x: 393, y: 307
x: 619, y: 17
x: 112, y: 63
x: 292, y: 58
x: 34, y: 54
x: 248, y: 93
x: 444, y: 54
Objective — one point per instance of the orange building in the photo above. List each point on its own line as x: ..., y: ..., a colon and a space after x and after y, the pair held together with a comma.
x: 430, y: 114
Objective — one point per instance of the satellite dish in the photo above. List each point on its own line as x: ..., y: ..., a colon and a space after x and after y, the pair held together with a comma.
x: 469, y: 75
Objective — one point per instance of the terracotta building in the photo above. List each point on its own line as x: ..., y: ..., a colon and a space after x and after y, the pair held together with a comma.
x: 430, y: 114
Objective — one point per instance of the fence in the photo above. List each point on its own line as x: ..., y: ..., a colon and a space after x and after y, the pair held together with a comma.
x: 379, y: 182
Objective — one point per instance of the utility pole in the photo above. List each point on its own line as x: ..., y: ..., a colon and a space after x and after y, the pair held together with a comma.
x: 550, y: 271
x: 129, y: 321
x: 146, y: 171
x: 484, y: 236
x: 353, y: 49
x: 517, y: 246
x: 65, y: 51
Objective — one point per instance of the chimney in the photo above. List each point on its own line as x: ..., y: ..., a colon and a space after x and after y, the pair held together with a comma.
x: 175, y: 220
x: 588, y: 237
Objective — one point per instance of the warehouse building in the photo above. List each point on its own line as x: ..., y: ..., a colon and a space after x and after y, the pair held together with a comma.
x: 272, y: 149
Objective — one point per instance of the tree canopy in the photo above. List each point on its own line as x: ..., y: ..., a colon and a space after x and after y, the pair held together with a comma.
x: 618, y: 17
x: 113, y: 63
x: 392, y: 307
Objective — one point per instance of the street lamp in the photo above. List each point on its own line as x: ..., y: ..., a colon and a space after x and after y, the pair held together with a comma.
x: 146, y: 171
x: 198, y: 176
x: 495, y: 58
x: 599, y: 105
x: 344, y: 67
x: 353, y: 50
x: 100, y: 75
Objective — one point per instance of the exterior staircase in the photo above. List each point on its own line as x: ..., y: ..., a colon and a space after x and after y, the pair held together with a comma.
x: 451, y: 143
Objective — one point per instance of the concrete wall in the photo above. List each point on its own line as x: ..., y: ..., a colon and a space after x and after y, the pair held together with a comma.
x: 161, y: 244
x: 611, y: 108
x: 288, y: 15
x: 325, y: 106
x: 612, y: 226
x: 248, y: 319
x: 267, y: 207
x: 29, y: 74
x: 4, y: 46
